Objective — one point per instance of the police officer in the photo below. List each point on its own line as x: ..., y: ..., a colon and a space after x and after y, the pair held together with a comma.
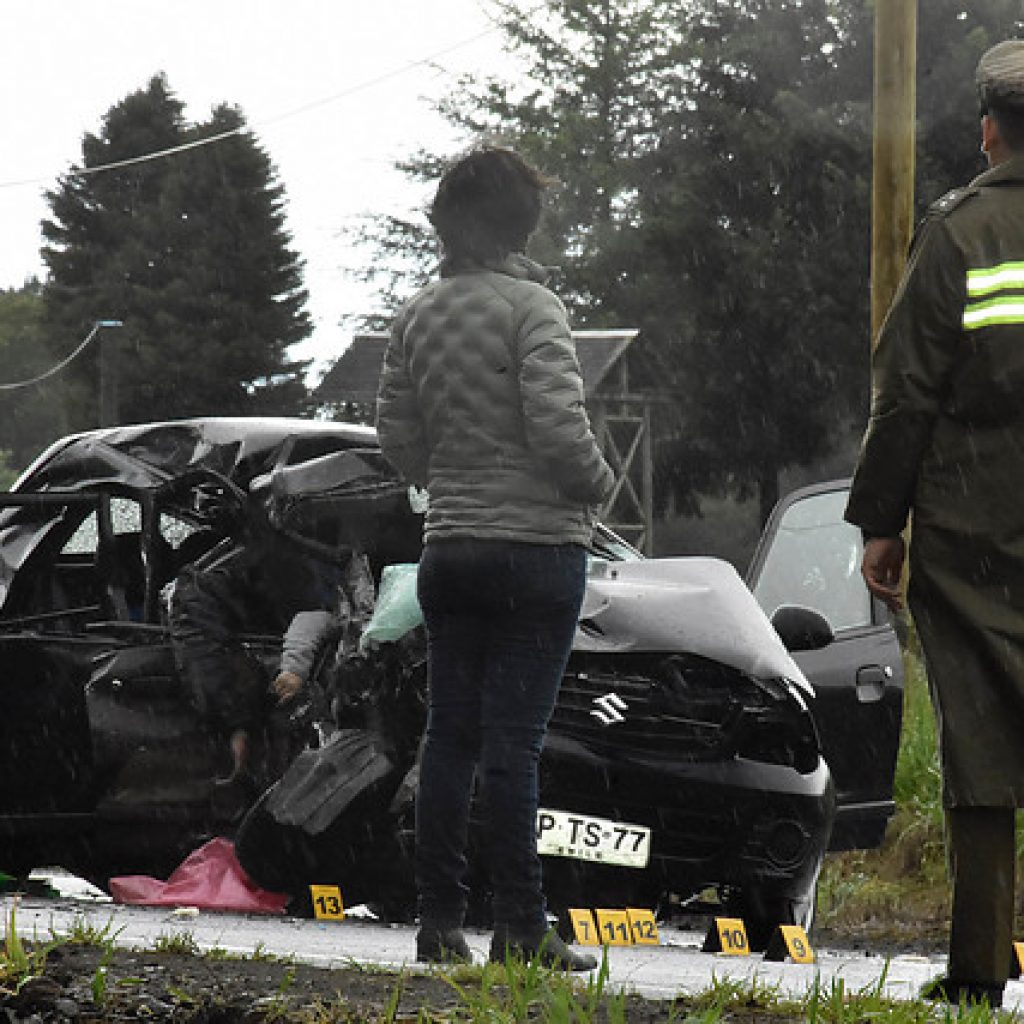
x: 945, y: 442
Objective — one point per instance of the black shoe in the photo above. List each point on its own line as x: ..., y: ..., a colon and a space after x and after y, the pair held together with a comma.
x: 545, y: 946
x: 972, y: 993
x: 441, y: 944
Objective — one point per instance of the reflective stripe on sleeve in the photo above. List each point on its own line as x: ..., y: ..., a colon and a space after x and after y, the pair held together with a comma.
x: 986, y: 280
x: 1009, y: 310
x: 986, y: 307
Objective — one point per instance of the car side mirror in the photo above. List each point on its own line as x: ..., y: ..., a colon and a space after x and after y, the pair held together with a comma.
x: 802, y: 629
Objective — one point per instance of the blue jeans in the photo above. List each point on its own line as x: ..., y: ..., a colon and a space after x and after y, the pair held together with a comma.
x: 500, y: 619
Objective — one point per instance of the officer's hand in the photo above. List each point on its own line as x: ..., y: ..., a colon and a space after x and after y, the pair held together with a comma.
x: 882, y: 567
x: 285, y: 686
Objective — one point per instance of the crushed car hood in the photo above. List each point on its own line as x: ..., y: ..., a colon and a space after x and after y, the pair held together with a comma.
x: 697, y: 605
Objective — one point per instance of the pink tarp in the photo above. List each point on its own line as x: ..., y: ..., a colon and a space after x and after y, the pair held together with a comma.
x: 209, y: 878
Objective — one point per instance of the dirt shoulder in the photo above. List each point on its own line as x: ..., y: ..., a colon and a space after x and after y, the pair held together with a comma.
x: 90, y: 985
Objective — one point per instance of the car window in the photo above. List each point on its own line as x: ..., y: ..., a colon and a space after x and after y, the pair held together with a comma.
x: 125, y: 517
x: 814, y: 561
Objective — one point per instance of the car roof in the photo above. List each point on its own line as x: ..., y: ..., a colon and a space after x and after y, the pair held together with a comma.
x: 238, y: 446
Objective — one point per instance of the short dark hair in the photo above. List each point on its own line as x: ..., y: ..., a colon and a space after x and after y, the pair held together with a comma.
x: 487, y: 204
x: 1010, y: 122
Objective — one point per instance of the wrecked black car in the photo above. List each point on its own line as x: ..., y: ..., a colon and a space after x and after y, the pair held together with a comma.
x: 692, y: 757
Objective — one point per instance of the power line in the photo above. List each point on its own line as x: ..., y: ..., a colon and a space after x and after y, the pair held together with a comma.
x: 219, y: 137
x: 288, y: 115
x: 64, y: 362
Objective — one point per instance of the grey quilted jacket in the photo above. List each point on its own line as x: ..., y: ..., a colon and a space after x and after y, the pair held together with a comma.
x: 481, y: 401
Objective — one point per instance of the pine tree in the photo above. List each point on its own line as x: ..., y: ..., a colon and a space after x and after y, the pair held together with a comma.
x: 190, y: 252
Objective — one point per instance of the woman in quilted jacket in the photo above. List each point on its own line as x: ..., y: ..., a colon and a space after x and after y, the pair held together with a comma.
x: 481, y: 402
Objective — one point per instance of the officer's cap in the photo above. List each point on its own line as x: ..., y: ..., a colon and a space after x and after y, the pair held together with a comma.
x: 1000, y: 76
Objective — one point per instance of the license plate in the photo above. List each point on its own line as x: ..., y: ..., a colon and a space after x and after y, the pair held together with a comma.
x: 565, y: 834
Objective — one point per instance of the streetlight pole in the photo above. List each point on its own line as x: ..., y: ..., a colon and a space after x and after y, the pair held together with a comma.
x: 892, y: 199
x: 108, y: 404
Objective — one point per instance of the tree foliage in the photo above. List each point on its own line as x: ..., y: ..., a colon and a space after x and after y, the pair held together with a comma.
x: 190, y: 251
x: 714, y: 169
x: 32, y: 408
x: 711, y: 192
x: 599, y: 79
x: 755, y: 225
x: 952, y: 36
x: 405, y: 249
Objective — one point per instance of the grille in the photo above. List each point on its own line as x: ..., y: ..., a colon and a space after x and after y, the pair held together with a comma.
x: 685, y: 706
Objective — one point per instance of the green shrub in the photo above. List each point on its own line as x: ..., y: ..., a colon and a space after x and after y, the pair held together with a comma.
x: 918, y: 782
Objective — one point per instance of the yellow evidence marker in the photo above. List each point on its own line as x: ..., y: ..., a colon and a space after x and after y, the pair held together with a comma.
x: 790, y: 940
x: 727, y: 935
x: 583, y: 926
x: 327, y: 902
x: 613, y: 926
x: 1017, y: 960
x: 643, y: 926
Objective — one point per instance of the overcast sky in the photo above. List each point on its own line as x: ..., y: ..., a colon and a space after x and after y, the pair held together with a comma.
x: 334, y: 89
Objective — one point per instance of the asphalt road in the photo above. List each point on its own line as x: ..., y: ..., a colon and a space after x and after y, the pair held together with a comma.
x: 676, y: 965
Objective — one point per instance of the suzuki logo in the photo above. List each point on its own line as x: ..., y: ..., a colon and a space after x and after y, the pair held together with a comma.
x: 609, y: 708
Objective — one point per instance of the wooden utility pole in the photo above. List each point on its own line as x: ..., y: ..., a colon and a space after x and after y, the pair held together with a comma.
x: 895, y: 103
x: 109, y: 404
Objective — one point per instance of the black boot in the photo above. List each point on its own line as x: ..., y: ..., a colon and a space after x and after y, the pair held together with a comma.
x: 971, y: 993
x: 441, y: 943
x: 545, y: 946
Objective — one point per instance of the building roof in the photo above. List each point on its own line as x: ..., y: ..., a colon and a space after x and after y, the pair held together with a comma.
x: 353, y: 378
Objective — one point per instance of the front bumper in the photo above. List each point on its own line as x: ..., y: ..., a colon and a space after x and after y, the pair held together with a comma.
x: 725, y: 824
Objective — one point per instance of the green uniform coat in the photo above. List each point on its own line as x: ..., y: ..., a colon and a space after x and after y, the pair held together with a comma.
x: 946, y: 439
